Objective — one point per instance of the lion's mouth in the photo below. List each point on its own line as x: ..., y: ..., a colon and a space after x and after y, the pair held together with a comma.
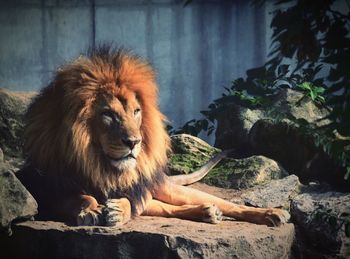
x: 120, y: 159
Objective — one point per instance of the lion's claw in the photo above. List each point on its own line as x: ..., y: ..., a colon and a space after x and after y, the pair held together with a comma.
x: 212, y: 214
x: 88, y: 217
x: 276, y: 217
x: 113, y: 213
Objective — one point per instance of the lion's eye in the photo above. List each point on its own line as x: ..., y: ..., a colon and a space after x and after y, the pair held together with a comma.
x: 137, y: 111
x: 109, y: 116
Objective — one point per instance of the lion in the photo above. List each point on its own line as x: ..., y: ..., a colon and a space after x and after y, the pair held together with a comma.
x: 97, y: 150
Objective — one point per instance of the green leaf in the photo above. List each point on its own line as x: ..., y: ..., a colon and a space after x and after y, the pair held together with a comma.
x: 319, y: 90
x: 313, y: 95
x: 321, y: 98
x: 305, y: 86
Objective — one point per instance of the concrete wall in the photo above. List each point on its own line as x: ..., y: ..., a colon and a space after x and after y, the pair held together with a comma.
x: 196, y: 50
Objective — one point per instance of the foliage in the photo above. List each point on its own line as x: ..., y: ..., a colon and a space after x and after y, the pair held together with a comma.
x: 314, y: 92
x: 335, y: 220
x: 310, y: 53
x: 317, y: 40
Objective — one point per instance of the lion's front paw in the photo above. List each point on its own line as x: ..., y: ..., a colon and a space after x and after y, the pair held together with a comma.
x: 90, y: 217
x: 116, y: 212
x: 276, y: 217
x: 211, y: 213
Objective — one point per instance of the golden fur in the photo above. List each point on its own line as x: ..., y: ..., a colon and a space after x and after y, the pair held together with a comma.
x: 59, y: 135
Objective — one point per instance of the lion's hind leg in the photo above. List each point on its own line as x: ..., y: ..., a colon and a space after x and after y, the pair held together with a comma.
x: 206, y: 212
x: 180, y: 195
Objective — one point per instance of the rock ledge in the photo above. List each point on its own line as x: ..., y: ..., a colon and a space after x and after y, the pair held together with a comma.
x: 149, y: 237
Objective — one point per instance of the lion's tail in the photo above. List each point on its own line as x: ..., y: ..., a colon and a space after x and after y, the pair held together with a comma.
x: 186, y: 179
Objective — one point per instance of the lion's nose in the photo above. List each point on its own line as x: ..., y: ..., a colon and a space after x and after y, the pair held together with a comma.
x: 131, y: 142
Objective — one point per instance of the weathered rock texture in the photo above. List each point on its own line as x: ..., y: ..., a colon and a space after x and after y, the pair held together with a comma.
x: 299, y: 105
x: 282, y: 142
x: 149, y: 237
x: 233, y: 128
x: 12, y: 108
x: 16, y: 203
x: 267, y: 131
x: 190, y: 153
x: 277, y: 193
x: 244, y: 173
x: 321, y: 220
x: 296, y: 152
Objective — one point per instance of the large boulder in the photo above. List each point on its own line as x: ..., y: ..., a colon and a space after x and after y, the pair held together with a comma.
x: 12, y: 108
x: 283, y: 142
x: 149, y: 237
x: 233, y: 126
x: 275, y: 194
x: 244, y: 173
x: 16, y: 203
x: 236, y: 121
x: 189, y: 153
x: 323, y: 224
x: 297, y: 153
x: 299, y: 105
x: 268, y: 131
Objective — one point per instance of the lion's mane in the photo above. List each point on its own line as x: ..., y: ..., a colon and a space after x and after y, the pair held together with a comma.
x: 58, y: 138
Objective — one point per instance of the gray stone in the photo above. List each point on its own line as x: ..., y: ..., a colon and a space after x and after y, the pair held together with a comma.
x: 189, y: 153
x: 16, y: 203
x: 149, y: 237
x: 299, y: 105
x: 266, y: 131
x: 12, y: 108
x: 321, y: 220
x: 244, y: 173
x: 296, y: 152
x: 283, y: 142
x: 277, y: 193
x: 233, y: 127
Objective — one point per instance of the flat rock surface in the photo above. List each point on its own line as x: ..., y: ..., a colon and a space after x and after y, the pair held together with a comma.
x: 149, y: 237
x: 277, y: 193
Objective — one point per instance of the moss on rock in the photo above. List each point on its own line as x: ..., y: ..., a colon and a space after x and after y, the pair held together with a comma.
x: 244, y: 173
x: 190, y: 153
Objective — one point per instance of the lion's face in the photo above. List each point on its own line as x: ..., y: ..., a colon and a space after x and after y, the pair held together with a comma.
x: 99, y: 119
x: 117, y: 121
